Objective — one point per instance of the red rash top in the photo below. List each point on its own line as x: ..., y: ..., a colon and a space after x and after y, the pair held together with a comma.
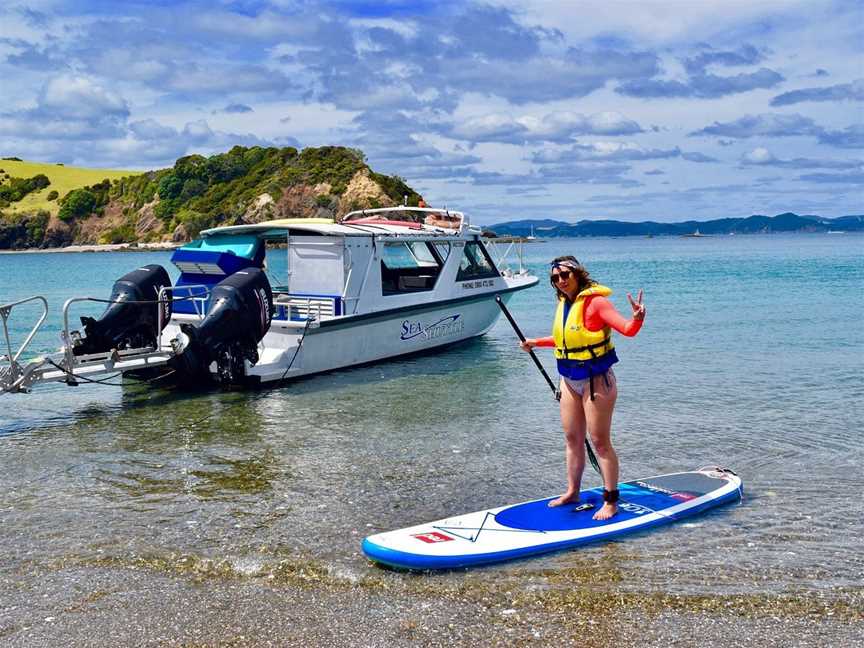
x: 599, y: 312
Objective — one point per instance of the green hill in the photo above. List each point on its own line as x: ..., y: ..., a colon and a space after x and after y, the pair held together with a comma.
x: 62, y: 180
x: 244, y: 185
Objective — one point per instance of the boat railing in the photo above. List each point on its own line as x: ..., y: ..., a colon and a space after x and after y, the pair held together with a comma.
x: 501, y: 259
x: 199, y: 302
x: 441, y: 218
x: 304, y: 307
x: 68, y: 367
x: 10, y: 375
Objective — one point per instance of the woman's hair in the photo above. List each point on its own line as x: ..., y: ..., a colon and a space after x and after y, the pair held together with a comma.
x: 578, y: 271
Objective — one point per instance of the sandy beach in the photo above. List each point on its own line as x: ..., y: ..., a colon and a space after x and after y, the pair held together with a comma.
x: 109, y: 247
x: 301, y: 604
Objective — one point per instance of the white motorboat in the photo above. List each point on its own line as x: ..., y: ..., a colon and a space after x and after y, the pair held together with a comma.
x: 277, y: 300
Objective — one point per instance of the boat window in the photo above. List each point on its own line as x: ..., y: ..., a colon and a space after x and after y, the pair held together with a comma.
x: 408, y: 267
x: 443, y: 249
x: 475, y: 263
x: 276, y: 263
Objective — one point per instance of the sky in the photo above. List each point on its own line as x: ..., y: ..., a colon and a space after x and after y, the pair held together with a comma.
x: 570, y: 109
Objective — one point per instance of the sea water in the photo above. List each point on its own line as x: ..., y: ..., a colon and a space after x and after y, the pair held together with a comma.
x: 750, y: 357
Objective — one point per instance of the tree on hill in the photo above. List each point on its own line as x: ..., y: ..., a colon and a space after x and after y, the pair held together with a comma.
x: 78, y: 203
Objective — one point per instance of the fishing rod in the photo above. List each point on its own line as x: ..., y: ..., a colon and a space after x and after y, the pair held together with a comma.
x: 591, y: 456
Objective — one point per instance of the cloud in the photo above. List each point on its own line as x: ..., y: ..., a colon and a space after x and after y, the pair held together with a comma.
x: 767, y: 124
x: 69, y: 107
x: 841, y: 92
x: 491, y: 32
x: 699, y: 158
x: 558, y: 127
x: 603, y: 151
x: 702, y: 86
x: 150, y: 129
x: 761, y: 156
x: 77, y: 97
x: 194, y: 79
x: 834, y: 178
x: 849, y: 137
x: 744, y: 55
x: 570, y: 174
x: 30, y: 56
x: 236, y: 108
x: 543, y: 78
x: 614, y: 152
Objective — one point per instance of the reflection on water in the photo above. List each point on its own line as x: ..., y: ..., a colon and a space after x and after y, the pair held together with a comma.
x: 304, y: 471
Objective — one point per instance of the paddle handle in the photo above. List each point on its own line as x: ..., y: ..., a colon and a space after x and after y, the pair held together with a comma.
x: 591, y: 456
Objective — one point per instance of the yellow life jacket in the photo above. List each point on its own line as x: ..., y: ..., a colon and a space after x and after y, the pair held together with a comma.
x: 572, y: 340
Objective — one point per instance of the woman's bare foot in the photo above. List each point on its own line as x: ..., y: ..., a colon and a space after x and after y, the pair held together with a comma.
x: 566, y: 498
x: 609, y: 509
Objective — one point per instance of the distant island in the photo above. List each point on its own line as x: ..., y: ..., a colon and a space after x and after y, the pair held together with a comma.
x: 757, y: 224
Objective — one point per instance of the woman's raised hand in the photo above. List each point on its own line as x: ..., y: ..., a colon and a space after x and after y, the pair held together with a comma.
x: 637, y: 305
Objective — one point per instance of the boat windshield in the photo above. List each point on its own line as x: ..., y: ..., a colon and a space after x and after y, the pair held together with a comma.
x: 475, y: 263
x: 242, y: 245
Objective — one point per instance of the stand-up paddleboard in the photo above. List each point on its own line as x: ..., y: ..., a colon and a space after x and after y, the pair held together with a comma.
x: 532, y: 528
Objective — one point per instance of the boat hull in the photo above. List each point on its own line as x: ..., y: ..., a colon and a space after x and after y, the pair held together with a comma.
x: 373, y: 337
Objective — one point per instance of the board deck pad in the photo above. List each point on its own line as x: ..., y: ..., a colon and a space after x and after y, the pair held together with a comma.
x: 530, y: 528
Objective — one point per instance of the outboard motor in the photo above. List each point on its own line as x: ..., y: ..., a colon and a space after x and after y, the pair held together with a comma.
x: 240, y: 315
x: 130, y: 322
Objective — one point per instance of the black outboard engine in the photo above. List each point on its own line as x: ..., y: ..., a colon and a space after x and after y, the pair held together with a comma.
x: 239, y: 317
x: 130, y: 322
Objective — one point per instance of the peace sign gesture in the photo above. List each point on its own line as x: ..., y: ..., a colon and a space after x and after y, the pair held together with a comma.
x: 637, y: 306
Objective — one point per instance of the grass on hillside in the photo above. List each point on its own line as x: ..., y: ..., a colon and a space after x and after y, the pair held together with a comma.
x: 63, y: 180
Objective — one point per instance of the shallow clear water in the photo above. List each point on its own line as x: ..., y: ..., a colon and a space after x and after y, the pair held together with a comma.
x: 751, y: 357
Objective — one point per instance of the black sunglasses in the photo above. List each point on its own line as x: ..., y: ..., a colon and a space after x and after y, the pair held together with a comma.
x: 563, y: 275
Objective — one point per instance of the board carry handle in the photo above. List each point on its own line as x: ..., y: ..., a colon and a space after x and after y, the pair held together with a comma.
x: 591, y: 456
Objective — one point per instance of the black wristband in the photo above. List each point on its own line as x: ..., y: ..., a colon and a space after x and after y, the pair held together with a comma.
x: 610, y: 496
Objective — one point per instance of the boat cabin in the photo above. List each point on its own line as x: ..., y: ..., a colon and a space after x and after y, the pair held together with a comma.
x: 372, y: 260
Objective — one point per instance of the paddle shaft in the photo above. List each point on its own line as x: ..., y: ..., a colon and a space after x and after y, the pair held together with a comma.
x: 530, y: 351
x: 591, y: 457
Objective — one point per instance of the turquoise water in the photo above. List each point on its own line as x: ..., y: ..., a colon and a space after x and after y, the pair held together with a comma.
x: 751, y: 357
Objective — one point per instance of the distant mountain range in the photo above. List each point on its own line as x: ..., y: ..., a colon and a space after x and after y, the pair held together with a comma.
x: 787, y: 222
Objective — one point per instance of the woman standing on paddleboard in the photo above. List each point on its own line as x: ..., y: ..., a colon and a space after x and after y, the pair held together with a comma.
x: 582, y: 338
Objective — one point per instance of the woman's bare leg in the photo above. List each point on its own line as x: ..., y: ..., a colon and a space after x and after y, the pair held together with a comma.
x: 598, y: 414
x: 573, y: 422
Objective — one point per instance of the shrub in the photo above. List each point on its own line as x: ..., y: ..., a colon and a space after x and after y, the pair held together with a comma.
x: 18, y: 188
x: 166, y: 209
x: 193, y: 221
x: 170, y: 187
x: 36, y: 226
x: 191, y: 188
x: 52, y: 195
x: 121, y: 234
x: 78, y: 203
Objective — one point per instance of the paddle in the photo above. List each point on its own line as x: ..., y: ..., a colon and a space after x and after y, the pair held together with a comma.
x: 591, y: 457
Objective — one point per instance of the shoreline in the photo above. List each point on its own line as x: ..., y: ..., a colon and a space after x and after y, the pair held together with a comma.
x: 105, y: 247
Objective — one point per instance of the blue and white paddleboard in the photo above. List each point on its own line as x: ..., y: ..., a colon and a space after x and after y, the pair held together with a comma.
x: 532, y: 528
